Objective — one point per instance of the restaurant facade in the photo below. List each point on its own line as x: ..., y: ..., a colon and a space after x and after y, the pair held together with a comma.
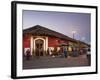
x: 39, y: 40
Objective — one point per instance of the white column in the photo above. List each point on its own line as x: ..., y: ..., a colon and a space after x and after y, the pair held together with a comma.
x: 46, y: 43
x: 34, y: 45
x: 31, y: 44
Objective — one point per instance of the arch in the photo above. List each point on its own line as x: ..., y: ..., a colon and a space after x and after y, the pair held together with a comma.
x: 39, y: 38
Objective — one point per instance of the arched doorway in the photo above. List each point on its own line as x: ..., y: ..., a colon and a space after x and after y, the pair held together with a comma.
x: 39, y: 46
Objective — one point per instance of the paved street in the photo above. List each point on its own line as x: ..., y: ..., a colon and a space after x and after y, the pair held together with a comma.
x: 54, y: 62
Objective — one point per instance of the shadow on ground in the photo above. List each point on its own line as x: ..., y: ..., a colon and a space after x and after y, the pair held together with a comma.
x: 54, y: 62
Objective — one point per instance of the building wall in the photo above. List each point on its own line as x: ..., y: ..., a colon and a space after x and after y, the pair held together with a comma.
x: 26, y: 41
x: 49, y: 42
x: 54, y: 42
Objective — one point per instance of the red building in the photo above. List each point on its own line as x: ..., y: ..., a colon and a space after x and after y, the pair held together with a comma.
x: 40, y: 38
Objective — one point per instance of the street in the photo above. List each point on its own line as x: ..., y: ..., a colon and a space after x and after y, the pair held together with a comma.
x: 55, y: 62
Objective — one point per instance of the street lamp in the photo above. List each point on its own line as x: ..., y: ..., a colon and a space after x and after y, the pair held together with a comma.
x: 75, y: 52
x: 83, y: 39
x: 73, y: 32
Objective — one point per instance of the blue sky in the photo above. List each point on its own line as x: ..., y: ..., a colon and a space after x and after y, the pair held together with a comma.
x: 63, y: 22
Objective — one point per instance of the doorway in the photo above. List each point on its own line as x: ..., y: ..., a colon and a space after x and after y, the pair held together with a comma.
x: 39, y: 45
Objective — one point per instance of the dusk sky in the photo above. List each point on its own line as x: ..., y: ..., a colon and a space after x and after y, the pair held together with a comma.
x: 62, y: 22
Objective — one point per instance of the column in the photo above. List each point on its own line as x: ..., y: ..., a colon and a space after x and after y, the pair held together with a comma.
x: 31, y: 45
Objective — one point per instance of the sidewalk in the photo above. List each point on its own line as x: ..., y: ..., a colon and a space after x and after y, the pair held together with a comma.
x: 54, y: 62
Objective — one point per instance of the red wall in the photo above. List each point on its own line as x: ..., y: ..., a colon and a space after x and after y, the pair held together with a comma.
x: 26, y: 41
x: 54, y: 42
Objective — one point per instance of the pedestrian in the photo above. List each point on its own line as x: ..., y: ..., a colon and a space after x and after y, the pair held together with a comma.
x: 89, y: 57
x: 65, y: 52
x: 50, y: 52
x: 37, y: 53
x: 41, y: 51
x: 28, y: 55
x: 75, y: 52
x: 81, y: 51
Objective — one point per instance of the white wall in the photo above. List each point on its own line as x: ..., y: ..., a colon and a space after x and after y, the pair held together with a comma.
x: 5, y: 43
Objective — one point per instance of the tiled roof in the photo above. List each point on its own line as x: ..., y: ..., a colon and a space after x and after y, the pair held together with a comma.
x: 42, y: 31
